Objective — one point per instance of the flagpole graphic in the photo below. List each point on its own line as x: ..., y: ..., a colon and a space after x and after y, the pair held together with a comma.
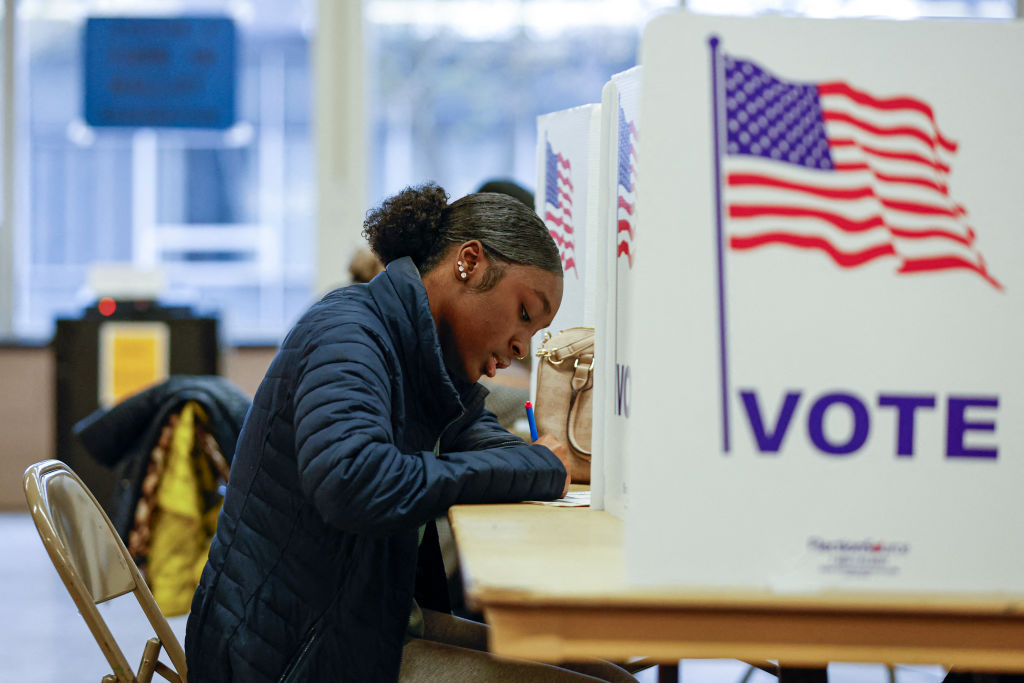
x: 625, y: 222
x: 720, y: 234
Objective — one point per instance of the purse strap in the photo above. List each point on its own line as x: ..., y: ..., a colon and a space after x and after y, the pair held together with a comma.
x: 584, y: 341
x: 582, y: 379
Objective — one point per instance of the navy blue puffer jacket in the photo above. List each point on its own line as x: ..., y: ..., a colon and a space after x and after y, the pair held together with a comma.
x: 312, y: 572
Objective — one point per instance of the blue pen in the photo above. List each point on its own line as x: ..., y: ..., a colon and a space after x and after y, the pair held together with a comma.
x: 533, y: 422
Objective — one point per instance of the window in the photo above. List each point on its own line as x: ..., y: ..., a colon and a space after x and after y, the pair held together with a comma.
x: 226, y: 215
x: 457, y: 85
x: 454, y: 90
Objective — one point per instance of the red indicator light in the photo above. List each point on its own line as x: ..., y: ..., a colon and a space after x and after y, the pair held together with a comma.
x: 107, y: 306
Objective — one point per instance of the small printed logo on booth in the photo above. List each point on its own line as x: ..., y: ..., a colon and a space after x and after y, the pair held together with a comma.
x: 860, y: 545
x: 858, y: 557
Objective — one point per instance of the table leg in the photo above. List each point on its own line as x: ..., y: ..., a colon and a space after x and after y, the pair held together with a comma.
x: 668, y: 673
x: 789, y: 674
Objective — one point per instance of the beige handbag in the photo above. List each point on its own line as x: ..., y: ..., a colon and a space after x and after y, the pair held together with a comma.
x: 565, y: 397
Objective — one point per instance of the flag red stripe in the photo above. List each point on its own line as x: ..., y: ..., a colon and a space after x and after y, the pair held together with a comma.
x: 866, y: 191
x: 623, y: 248
x: 938, y: 263
x: 561, y: 222
x: 624, y: 226
x: 845, y: 224
x: 933, y: 232
x: 925, y: 209
x: 879, y: 130
x: 885, y: 154
x: 841, y: 222
x: 906, y: 156
x: 563, y: 162
x: 743, y: 179
x: 912, y: 180
x: 887, y: 104
x: 623, y: 204
x: 889, y: 178
x: 562, y: 242
x: 842, y: 258
x: 565, y: 179
x: 552, y: 218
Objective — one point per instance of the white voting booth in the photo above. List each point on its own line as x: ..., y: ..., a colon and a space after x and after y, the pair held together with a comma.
x: 827, y: 307
x: 566, y: 200
x: 568, y: 174
x: 586, y: 173
x: 620, y: 105
x: 811, y: 353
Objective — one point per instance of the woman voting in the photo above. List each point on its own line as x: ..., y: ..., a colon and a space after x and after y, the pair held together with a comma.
x: 368, y: 425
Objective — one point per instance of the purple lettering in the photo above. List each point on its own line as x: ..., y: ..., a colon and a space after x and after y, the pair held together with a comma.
x: 957, y: 424
x: 769, y: 442
x: 905, y: 408
x: 816, y: 419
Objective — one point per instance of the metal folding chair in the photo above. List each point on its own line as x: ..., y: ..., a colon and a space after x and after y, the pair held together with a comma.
x: 95, y: 566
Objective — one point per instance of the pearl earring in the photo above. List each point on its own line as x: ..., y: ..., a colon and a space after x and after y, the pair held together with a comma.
x: 462, y: 271
x: 463, y: 275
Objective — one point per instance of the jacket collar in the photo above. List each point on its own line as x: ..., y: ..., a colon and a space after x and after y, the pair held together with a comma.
x: 405, y: 309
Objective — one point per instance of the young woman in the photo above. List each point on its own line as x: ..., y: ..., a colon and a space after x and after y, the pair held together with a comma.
x: 369, y: 425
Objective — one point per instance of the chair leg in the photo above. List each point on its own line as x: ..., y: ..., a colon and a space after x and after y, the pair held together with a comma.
x: 150, y: 655
x: 167, y: 672
x: 668, y: 673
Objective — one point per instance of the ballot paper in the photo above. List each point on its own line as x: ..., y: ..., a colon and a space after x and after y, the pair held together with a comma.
x: 573, y: 499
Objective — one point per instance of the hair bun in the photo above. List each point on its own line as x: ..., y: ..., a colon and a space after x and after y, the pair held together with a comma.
x: 407, y: 224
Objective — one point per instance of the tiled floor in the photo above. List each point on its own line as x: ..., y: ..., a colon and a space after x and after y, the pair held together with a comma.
x: 44, y: 640
x: 42, y: 637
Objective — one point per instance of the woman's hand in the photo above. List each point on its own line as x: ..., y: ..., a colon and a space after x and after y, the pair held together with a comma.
x: 561, y: 452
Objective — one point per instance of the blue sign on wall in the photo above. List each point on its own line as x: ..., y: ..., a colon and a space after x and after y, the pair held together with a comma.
x: 177, y: 72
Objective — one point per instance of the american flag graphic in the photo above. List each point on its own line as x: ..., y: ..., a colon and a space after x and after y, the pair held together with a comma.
x: 829, y: 167
x: 558, y: 191
x: 626, y: 190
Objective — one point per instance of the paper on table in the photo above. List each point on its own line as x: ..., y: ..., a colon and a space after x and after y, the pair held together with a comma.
x: 573, y: 499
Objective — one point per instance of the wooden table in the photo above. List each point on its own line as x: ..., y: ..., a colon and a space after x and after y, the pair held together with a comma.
x: 550, y: 582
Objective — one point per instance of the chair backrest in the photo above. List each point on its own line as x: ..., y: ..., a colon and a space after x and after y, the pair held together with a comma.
x: 94, y: 565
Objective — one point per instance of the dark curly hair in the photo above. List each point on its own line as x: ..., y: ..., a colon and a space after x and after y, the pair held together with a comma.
x: 418, y: 222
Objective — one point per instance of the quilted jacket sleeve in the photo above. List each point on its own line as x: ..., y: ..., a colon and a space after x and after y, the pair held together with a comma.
x: 350, y: 467
x: 484, y: 432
